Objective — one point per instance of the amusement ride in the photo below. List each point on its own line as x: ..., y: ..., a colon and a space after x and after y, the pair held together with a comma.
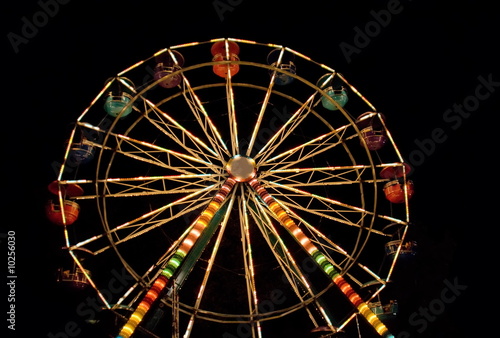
x: 245, y: 188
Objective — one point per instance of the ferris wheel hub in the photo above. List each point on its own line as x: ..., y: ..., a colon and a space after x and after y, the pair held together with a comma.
x: 241, y: 168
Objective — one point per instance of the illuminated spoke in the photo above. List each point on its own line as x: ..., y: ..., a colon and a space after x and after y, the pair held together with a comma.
x: 249, y: 266
x: 203, y: 119
x: 263, y: 107
x: 307, y: 150
x: 321, y: 260
x: 146, y: 186
x: 284, y: 132
x: 153, y: 219
x: 233, y: 122
x: 176, y: 260
x: 151, y: 153
x: 329, y: 246
x: 179, y: 134
x: 320, y: 176
x: 297, y: 280
x: 327, y: 207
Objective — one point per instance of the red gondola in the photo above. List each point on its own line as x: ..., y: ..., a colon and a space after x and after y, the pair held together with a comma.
x: 225, y: 51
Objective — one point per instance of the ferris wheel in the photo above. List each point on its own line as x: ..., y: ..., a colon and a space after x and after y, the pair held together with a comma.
x: 244, y: 188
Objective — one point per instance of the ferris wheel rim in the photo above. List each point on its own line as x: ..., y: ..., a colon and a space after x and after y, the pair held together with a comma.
x: 182, y: 72
x: 238, y: 84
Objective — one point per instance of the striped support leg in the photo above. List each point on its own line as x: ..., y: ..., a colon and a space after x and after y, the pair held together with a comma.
x: 321, y: 260
x: 176, y: 260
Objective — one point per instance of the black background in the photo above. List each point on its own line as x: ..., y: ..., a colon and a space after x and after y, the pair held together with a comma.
x: 428, y: 58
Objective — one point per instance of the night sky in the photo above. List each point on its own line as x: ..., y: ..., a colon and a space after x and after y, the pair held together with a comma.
x: 431, y: 67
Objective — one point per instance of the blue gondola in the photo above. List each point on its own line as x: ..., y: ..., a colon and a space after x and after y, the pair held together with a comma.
x: 285, y: 64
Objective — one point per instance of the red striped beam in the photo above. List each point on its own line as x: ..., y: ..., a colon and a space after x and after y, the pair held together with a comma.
x: 321, y: 260
x: 175, y: 261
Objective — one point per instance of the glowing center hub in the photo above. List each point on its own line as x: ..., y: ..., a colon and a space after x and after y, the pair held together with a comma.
x: 241, y: 168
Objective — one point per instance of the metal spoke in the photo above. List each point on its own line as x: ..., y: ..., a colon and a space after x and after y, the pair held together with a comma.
x: 321, y: 260
x: 284, y: 132
x: 176, y: 260
x: 203, y: 119
x: 146, y: 185
x: 263, y: 107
